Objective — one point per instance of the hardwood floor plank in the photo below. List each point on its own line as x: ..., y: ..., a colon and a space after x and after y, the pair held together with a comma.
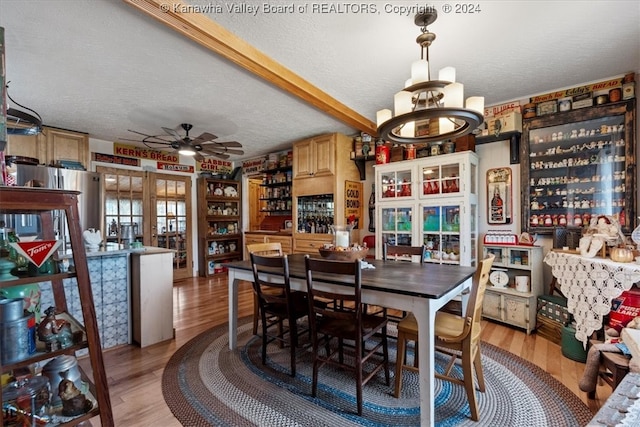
x: 135, y: 374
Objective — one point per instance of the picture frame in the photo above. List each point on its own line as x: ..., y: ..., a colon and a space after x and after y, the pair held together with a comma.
x: 499, y: 197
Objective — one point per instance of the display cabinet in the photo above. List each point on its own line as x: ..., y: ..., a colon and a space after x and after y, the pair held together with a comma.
x: 431, y: 201
x: 21, y: 200
x: 219, y: 224
x: 577, y: 165
x: 276, y: 191
x: 515, y: 284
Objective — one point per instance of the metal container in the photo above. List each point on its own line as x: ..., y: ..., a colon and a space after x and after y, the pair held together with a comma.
x: 31, y: 392
x: 58, y: 369
x: 128, y: 232
x: 11, y: 309
x: 17, y: 339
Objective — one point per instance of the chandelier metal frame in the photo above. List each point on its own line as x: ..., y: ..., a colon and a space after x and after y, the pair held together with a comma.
x: 427, y: 97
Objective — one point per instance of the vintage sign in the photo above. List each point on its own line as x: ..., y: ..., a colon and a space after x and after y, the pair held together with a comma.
x: 253, y: 166
x: 214, y: 165
x: 175, y: 167
x: 117, y: 160
x: 144, y: 153
x: 499, y: 196
x: 595, y: 87
x: 37, y: 251
x: 502, y: 109
x: 353, y: 203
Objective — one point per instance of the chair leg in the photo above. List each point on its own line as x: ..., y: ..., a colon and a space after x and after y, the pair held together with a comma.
x: 293, y: 341
x: 256, y: 314
x: 477, y: 363
x: 358, y: 356
x: 400, y: 360
x: 467, y: 373
x: 385, y: 354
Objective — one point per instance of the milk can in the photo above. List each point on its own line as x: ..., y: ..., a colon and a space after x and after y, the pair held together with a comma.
x: 58, y: 369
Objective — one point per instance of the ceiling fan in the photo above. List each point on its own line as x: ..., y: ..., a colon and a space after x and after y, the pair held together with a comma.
x: 200, y: 146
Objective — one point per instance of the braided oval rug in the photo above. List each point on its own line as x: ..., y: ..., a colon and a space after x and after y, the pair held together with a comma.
x: 206, y: 384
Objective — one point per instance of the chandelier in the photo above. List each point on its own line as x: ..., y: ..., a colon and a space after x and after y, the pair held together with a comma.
x: 428, y: 110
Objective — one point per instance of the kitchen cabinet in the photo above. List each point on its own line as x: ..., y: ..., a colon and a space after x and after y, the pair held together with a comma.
x: 431, y: 201
x: 315, y: 156
x: 51, y: 146
x: 578, y: 165
x: 320, y: 202
x: 219, y: 224
x: 508, y: 304
x: 16, y: 200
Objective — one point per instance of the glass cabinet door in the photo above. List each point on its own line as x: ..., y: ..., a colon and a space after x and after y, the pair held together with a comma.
x: 396, y: 225
x: 396, y: 184
x: 578, y: 167
x: 441, y: 233
x: 437, y: 180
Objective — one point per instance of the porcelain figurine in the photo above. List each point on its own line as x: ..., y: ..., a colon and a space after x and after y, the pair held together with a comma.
x: 92, y: 238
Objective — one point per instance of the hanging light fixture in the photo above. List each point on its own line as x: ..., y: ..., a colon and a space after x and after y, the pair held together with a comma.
x: 429, y: 110
x: 21, y: 122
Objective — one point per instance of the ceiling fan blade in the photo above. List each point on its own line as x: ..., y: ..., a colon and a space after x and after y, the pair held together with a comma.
x: 206, y: 136
x: 224, y: 150
x: 172, y: 132
x: 227, y: 144
x: 220, y: 155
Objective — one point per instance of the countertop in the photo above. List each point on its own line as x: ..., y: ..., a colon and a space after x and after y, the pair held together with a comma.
x: 270, y: 232
x: 113, y: 249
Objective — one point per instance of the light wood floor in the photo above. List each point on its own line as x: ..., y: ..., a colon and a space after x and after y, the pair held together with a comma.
x: 135, y: 374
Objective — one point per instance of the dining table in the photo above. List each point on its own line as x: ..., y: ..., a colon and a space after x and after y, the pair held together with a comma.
x: 420, y: 288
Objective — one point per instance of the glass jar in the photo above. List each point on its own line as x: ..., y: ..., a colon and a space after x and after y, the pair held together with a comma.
x: 341, y: 235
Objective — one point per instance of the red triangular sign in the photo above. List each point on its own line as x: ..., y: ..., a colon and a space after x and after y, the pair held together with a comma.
x: 37, y: 252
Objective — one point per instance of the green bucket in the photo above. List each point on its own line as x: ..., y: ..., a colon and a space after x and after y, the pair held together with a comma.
x: 571, y: 347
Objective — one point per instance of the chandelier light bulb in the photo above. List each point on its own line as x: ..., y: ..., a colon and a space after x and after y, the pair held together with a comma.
x: 453, y: 95
x: 382, y: 116
x: 447, y: 74
x: 476, y: 103
x: 419, y: 71
x: 402, y: 103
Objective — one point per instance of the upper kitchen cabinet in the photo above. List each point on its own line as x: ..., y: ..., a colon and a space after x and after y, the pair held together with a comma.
x: 577, y: 165
x: 315, y: 157
x: 51, y: 146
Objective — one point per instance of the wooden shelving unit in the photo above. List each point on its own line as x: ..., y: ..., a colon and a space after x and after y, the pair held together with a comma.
x: 21, y: 200
x: 219, y: 224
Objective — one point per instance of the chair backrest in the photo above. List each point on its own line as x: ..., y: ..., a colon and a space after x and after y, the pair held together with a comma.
x: 479, y: 284
x: 265, y: 249
x: 403, y: 252
x: 322, y: 267
x: 272, y: 264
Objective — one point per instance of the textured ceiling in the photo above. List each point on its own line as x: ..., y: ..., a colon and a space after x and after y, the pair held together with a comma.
x: 103, y: 67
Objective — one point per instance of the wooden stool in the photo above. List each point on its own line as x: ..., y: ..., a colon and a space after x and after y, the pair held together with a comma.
x: 613, y: 368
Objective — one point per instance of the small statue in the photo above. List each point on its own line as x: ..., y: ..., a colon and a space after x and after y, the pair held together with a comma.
x: 55, y: 333
x: 73, y: 401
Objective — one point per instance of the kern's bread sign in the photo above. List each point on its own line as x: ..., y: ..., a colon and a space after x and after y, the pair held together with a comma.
x: 38, y: 251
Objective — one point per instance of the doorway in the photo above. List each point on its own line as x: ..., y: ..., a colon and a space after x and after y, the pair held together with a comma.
x: 170, y: 219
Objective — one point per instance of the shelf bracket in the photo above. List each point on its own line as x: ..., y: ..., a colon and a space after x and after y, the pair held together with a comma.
x: 361, y: 163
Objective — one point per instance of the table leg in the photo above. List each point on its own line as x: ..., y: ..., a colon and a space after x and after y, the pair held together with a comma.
x: 425, y: 315
x: 233, y: 309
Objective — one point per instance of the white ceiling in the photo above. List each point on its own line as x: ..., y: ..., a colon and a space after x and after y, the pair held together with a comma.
x: 103, y: 67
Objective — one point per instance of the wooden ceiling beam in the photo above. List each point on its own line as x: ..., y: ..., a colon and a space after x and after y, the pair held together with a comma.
x: 216, y: 38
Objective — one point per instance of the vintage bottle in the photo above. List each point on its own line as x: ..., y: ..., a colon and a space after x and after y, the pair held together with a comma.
x: 372, y: 208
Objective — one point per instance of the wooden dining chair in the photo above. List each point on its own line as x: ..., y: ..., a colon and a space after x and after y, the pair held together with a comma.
x: 264, y: 249
x: 278, y: 303
x: 334, y: 322
x: 456, y: 336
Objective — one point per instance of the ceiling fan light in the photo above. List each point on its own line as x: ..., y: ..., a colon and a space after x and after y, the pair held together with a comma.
x: 187, y: 151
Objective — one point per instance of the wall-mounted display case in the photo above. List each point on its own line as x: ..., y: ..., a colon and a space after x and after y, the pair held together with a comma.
x: 276, y: 191
x: 578, y: 165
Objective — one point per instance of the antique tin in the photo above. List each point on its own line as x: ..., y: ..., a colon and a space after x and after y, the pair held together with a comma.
x: 383, y: 154
x: 58, y: 369
x: 17, y: 339
x: 11, y: 309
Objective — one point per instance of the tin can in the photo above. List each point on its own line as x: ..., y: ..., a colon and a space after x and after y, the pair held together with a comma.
x: 615, y: 94
x: 529, y: 110
x: 383, y: 154
x: 409, y: 152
